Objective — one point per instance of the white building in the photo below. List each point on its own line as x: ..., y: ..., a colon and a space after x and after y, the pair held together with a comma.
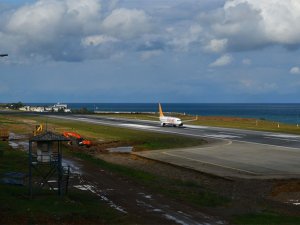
x: 56, y: 108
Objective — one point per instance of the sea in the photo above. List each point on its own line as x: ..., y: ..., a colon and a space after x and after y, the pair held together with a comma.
x: 278, y: 112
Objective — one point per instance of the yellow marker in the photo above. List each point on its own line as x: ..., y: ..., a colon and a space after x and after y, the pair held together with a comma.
x: 38, y: 129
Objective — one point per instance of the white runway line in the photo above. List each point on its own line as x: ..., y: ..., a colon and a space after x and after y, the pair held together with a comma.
x: 218, y: 165
x: 223, y: 136
x: 136, y: 125
x: 284, y: 136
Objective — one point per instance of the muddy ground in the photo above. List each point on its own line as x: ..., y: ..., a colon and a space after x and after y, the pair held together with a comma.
x: 151, y: 207
x: 129, y: 197
x: 247, y: 195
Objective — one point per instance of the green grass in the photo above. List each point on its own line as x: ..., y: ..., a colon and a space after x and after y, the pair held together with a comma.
x: 77, y: 206
x: 12, y: 160
x: 188, y: 191
x: 267, y: 218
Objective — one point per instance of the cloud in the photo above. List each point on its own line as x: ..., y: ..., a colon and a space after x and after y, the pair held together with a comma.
x: 69, y: 30
x: 149, y: 54
x: 252, y: 24
x: 126, y: 23
x: 247, y: 62
x: 253, y: 86
x: 216, y: 45
x: 50, y: 29
x: 95, y: 40
x: 222, y: 61
x: 181, y: 38
x: 295, y: 70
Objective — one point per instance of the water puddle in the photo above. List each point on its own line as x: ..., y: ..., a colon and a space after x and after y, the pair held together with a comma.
x: 75, y: 168
x: 18, y: 141
x: 294, y: 202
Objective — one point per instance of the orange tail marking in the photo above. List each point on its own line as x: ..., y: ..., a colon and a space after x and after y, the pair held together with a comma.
x: 160, y: 110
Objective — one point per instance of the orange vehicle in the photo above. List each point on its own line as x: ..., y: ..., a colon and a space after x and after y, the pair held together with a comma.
x: 78, y: 139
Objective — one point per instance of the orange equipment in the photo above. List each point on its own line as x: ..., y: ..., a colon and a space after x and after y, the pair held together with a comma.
x: 79, y: 140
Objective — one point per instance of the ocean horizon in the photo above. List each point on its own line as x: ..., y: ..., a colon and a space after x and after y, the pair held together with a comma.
x: 277, y: 112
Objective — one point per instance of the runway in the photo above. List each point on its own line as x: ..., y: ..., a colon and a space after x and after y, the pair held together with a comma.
x: 235, y: 153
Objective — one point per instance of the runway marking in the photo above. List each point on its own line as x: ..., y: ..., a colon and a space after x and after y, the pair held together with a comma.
x: 136, y: 125
x: 227, y: 133
x: 283, y: 135
x: 222, y: 136
x: 214, y: 164
x: 282, y: 139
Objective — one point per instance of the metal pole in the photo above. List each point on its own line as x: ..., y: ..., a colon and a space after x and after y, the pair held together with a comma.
x: 60, y: 192
x: 30, y: 169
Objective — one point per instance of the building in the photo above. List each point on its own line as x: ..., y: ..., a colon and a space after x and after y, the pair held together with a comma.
x: 55, y: 108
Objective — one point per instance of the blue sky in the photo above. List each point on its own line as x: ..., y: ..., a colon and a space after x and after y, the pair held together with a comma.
x: 150, y: 51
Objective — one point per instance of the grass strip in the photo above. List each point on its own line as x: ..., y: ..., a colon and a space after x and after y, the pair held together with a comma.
x: 268, y: 218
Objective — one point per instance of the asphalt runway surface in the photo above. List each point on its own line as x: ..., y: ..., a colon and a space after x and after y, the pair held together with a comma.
x: 230, y: 152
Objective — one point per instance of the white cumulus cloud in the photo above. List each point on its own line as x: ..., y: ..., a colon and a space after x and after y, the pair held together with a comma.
x: 249, y: 24
x: 295, y: 70
x: 216, y: 45
x: 50, y: 28
x: 222, y: 61
x: 126, y: 23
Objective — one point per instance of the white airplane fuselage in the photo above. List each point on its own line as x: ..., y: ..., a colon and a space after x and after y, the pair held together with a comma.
x: 171, y: 121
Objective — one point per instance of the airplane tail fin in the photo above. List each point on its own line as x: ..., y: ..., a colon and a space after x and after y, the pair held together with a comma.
x: 160, y: 110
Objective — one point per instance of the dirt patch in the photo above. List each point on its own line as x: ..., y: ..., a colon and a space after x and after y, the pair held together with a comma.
x: 286, y: 187
x: 287, y: 192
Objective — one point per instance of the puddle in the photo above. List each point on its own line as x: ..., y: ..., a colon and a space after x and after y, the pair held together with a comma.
x: 145, y: 196
x: 74, y: 167
x: 23, y: 145
x: 13, y: 136
x: 94, y: 190
x: 170, y: 217
x: 126, y: 149
x: 18, y: 141
x: 294, y: 202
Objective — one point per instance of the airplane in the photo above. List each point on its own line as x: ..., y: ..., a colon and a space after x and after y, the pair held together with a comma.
x: 169, y: 120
